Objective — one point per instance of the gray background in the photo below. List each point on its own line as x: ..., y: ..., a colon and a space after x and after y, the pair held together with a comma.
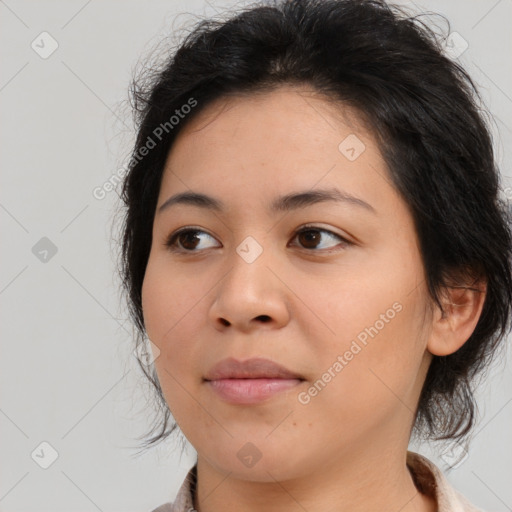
x: 67, y: 372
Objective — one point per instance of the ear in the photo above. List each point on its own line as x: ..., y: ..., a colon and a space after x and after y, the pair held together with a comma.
x: 462, y: 306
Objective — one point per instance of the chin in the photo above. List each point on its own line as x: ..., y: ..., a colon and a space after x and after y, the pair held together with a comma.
x: 258, y: 463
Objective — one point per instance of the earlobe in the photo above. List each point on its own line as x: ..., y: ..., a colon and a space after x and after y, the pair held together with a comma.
x: 462, y: 309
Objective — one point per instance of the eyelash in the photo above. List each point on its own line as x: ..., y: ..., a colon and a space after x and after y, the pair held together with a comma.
x: 171, y: 241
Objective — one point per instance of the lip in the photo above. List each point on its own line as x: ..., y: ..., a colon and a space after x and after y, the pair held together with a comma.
x: 254, y: 368
x: 250, y: 381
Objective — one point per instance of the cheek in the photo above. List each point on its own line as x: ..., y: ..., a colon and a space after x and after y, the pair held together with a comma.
x: 371, y: 360
x: 174, y: 313
x: 375, y: 364
x: 166, y: 300
x: 165, y: 315
x: 168, y: 310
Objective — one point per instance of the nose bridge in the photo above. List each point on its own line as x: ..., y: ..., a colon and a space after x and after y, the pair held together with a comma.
x: 250, y: 290
x: 249, y: 273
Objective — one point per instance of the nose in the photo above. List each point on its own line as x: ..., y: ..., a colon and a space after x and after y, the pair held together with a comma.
x: 251, y: 295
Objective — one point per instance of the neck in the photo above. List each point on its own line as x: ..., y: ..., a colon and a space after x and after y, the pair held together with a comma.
x: 351, y: 483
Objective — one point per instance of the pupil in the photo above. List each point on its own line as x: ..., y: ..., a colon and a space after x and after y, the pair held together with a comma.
x: 310, y: 236
x: 188, y: 237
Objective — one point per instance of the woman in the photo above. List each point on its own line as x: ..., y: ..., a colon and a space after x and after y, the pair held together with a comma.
x: 315, y: 246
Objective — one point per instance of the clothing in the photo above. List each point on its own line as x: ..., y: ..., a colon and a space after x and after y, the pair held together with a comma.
x: 427, y: 477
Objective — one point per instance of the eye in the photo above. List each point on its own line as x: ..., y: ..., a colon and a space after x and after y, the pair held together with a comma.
x: 185, y: 240
x: 188, y: 239
x: 310, y: 237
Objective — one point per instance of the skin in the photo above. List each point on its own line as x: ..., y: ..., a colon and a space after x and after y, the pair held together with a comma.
x: 346, y: 448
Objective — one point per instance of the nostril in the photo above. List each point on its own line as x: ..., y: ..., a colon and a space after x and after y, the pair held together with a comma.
x: 264, y: 318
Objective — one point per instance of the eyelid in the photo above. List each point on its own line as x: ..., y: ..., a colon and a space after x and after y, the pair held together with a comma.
x: 318, y: 227
x: 344, y: 239
x: 170, y: 240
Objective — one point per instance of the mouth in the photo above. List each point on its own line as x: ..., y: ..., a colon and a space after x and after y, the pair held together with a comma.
x: 251, y: 381
x: 250, y: 391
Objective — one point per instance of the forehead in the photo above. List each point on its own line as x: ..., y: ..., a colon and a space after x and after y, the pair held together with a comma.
x: 273, y: 143
x: 290, y: 109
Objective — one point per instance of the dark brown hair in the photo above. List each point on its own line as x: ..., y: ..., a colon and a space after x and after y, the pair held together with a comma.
x: 424, y: 110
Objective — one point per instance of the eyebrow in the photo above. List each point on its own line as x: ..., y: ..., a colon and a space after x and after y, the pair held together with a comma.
x: 288, y: 202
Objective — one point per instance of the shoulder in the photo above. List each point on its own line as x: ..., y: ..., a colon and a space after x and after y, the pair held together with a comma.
x: 185, y: 498
x: 166, y: 507
x: 430, y: 480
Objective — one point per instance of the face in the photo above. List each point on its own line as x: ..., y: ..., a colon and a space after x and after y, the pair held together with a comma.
x: 331, y: 289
